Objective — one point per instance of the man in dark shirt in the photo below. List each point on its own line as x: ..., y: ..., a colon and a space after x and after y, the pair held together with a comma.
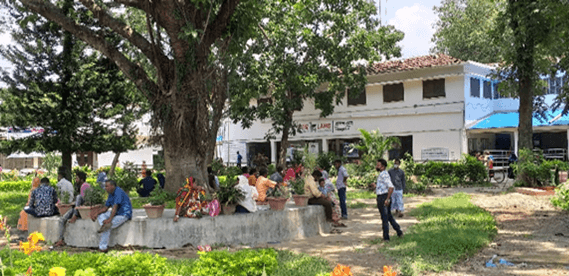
x: 42, y: 200
x: 147, y: 184
x: 278, y: 175
x: 121, y: 211
x: 397, y: 176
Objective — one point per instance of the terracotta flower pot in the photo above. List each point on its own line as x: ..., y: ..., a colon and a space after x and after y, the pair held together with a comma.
x: 154, y: 211
x: 63, y: 208
x: 277, y: 203
x: 300, y: 200
x: 228, y: 209
x: 85, y: 211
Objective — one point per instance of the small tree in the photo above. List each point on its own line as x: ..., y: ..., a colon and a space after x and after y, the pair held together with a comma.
x: 374, y: 145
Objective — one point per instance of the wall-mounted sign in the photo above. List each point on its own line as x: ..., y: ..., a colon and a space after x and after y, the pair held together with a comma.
x: 434, y: 154
x: 325, y: 127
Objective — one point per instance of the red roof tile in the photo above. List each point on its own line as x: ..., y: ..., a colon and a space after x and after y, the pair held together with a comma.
x: 413, y: 63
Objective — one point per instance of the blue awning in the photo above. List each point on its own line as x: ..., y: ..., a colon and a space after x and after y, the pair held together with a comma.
x: 512, y: 119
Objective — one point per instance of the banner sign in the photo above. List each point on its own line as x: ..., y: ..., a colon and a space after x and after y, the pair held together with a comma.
x: 325, y: 127
x: 434, y: 154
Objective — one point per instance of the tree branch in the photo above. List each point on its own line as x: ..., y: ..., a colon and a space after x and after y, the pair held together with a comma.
x: 221, y: 21
x: 133, y: 71
x: 125, y: 31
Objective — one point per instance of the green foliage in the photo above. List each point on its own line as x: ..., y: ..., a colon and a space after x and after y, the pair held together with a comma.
x: 321, y: 53
x: 228, y: 192
x: 233, y: 171
x: 217, y: 167
x: 467, y: 171
x: 244, y: 262
x: 462, y: 33
x: 271, y: 168
x: 51, y: 161
x: 95, y: 195
x: 362, y: 182
x: 159, y: 196
x: 127, y: 178
x: 357, y: 205
x: 309, y: 160
x: 297, y: 185
x: 534, y: 170
x: 449, y: 230
x: 325, y: 160
x: 12, y: 203
x: 561, y: 198
x: 75, y: 95
x: 15, y: 186
x: 374, y: 145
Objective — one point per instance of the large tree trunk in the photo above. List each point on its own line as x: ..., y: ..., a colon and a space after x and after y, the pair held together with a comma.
x: 284, y: 138
x: 114, y: 164
x: 66, y: 162
x: 526, y: 112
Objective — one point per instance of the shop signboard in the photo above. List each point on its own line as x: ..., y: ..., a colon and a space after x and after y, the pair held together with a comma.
x: 435, y: 154
x: 325, y: 127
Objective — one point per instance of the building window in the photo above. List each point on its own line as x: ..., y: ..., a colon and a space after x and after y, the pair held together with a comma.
x: 356, y: 99
x: 487, y: 90
x: 555, y: 85
x: 433, y: 88
x: 393, y: 93
x: 496, y: 92
x: 474, y: 88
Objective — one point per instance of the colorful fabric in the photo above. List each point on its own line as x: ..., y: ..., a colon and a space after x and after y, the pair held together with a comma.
x: 252, y: 180
x: 289, y: 175
x: 190, y: 200
x: 214, y: 208
x: 342, y: 175
x: 43, y: 200
x: 120, y: 198
x: 83, y: 188
x: 263, y: 184
x: 383, y: 183
x: 397, y: 200
x: 329, y: 192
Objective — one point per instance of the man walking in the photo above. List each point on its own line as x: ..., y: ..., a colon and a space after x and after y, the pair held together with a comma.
x: 239, y: 159
x: 383, y: 190
x: 398, y: 179
x: 341, y: 181
x: 121, y: 211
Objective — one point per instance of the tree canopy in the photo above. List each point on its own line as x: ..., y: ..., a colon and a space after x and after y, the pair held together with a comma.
x: 178, y: 54
x: 59, y: 84
x: 307, y: 50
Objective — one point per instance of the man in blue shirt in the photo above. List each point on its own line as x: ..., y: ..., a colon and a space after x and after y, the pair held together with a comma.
x: 148, y: 183
x: 383, y: 190
x: 239, y: 159
x: 109, y: 219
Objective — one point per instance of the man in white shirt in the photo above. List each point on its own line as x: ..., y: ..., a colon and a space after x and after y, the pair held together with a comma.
x: 64, y: 187
x: 383, y: 190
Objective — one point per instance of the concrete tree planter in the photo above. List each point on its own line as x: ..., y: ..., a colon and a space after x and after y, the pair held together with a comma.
x: 300, y: 200
x: 277, y: 203
x: 85, y: 211
x: 63, y: 208
x: 154, y: 211
x: 228, y: 209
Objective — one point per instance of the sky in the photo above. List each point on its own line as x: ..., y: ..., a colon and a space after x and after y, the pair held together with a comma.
x: 414, y: 17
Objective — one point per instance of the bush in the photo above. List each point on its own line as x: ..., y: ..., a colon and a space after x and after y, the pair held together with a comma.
x: 126, y: 178
x: 325, y: 160
x: 466, y: 171
x: 272, y: 169
x: 533, y: 170
x: 561, y: 198
x: 364, y: 181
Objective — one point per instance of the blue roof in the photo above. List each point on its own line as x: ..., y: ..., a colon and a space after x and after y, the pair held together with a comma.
x: 512, y: 119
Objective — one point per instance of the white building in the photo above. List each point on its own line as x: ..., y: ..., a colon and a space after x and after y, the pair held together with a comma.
x: 434, y: 104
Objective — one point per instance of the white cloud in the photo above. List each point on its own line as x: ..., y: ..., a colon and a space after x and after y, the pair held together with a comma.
x: 417, y: 24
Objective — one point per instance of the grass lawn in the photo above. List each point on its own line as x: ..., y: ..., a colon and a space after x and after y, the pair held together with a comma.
x: 11, y: 203
x: 357, y: 205
x: 360, y: 194
x: 450, y: 229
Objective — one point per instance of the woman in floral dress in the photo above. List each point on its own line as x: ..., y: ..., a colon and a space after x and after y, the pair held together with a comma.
x: 190, y: 201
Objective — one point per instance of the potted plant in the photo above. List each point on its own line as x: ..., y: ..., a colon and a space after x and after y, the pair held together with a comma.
x: 278, y: 198
x: 62, y: 206
x: 229, y: 195
x: 157, y: 202
x: 297, y: 185
x: 94, y: 199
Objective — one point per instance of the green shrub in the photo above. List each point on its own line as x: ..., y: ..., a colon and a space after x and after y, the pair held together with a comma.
x: 233, y: 171
x: 325, y: 160
x: 533, y: 170
x: 243, y: 262
x: 561, y: 198
x: 272, y: 169
x: 127, y: 178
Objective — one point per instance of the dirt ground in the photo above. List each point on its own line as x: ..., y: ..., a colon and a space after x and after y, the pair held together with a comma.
x: 532, y: 234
